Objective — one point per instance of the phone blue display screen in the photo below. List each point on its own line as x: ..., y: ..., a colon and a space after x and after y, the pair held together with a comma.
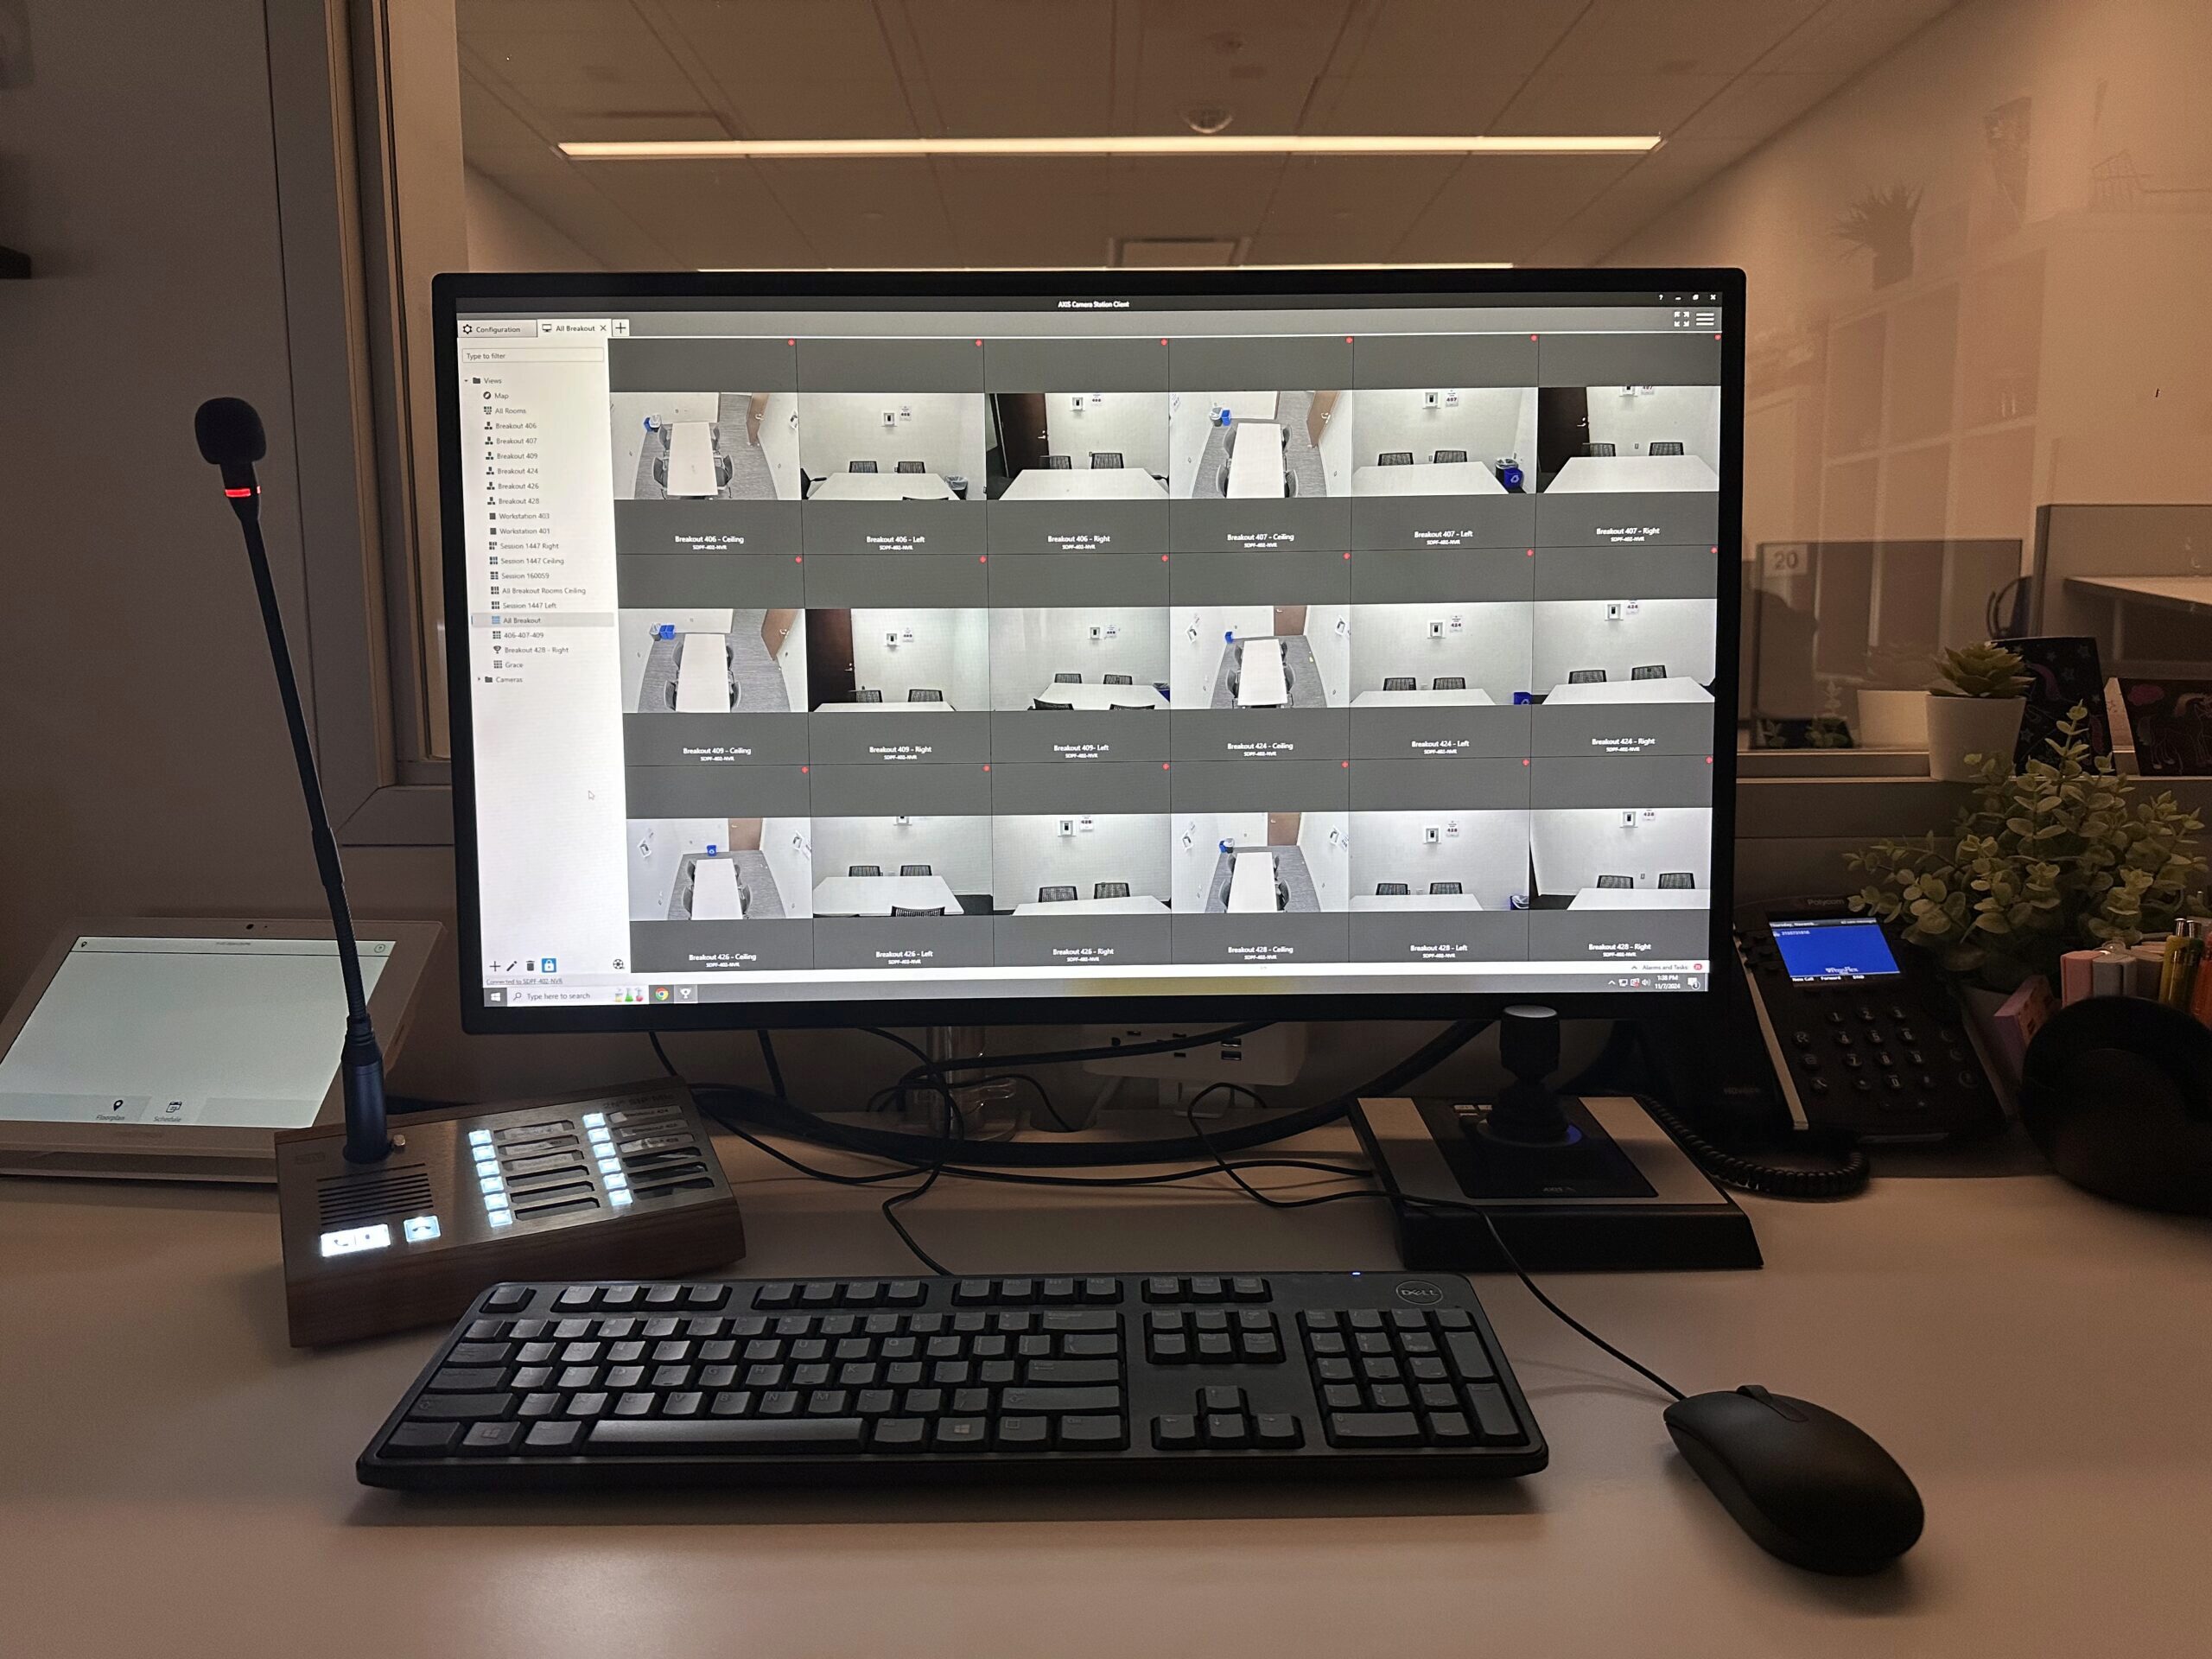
x: 1840, y: 947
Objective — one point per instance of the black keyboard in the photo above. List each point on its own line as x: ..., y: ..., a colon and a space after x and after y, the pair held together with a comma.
x: 740, y: 1383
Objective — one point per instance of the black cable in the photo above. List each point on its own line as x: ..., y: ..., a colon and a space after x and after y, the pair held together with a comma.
x: 1190, y: 1116
x: 1844, y: 1172
x: 1563, y: 1315
x: 775, y: 1072
x: 782, y: 1116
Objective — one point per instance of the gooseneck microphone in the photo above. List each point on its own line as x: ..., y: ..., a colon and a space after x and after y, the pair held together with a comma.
x: 230, y: 438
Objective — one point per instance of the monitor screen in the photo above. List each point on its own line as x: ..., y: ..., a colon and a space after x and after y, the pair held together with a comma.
x: 828, y: 644
x: 1840, y: 947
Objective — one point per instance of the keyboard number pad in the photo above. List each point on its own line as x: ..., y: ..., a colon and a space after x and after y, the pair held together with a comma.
x: 1407, y: 1376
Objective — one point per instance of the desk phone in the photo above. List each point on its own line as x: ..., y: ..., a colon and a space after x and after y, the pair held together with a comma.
x: 1862, y: 1034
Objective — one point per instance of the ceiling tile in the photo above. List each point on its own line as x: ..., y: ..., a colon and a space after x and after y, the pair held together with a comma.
x: 1014, y: 212
x: 1371, y: 196
x: 1503, y: 207
x: 1442, y: 102
x: 1754, y: 107
x: 1260, y: 60
x: 1012, y: 67
x: 1848, y: 34
x: 1607, y: 103
x: 865, y: 213
x: 1434, y: 44
x: 1192, y: 196
x: 820, y: 69
x: 1675, y: 37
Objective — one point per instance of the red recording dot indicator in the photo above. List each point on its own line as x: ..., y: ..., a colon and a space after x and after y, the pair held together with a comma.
x: 791, y: 342
x: 1346, y: 764
x: 1532, y: 552
x: 1163, y: 765
x: 986, y: 766
x: 1163, y: 339
x: 801, y: 768
x: 1716, y: 336
x: 1708, y: 759
x: 1524, y: 759
x: 798, y: 559
x: 1347, y: 555
x: 979, y: 342
x: 1534, y: 336
x: 1163, y: 558
x: 1347, y: 339
x: 982, y: 558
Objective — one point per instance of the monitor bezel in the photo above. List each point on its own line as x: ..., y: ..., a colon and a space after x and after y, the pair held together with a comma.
x: 452, y: 292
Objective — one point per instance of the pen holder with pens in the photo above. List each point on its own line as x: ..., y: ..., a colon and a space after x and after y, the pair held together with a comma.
x: 2117, y: 1092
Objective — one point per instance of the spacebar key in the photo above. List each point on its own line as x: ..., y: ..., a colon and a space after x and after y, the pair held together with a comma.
x: 730, y: 1434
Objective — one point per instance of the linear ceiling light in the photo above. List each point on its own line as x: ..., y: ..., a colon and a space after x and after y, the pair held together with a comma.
x: 702, y: 150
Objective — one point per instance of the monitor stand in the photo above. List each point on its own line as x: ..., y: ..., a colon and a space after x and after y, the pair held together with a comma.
x: 1569, y: 1183
x: 977, y: 1103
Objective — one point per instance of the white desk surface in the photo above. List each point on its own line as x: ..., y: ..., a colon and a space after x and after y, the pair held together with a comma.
x: 1470, y: 696
x: 702, y: 676
x: 1427, y: 477
x: 1256, y: 466
x: 178, y: 1480
x: 1137, y: 903
x: 877, y: 895
x: 886, y: 707
x: 1252, y: 881
x: 2183, y: 592
x: 1671, y: 688
x: 886, y: 485
x: 1642, y: 898
x: 1085, y: 484
x: 1087, y: 695
x: 1261, y: 683
x: 1586, y: 474
x: 691, y: 459
x: 1415, y: 901
x: 715, y: 894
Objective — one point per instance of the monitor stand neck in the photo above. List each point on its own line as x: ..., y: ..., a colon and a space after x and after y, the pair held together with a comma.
x: 974, y: 1101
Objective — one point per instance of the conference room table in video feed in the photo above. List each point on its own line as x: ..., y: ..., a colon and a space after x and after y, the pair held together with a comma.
x: 702, y: 677
x: 879, y: 895
x: 1641, y: 899
x: 1255, y: 462
x: 1137, y: 904
x: 1076, y: 695
x: 1669, y: 687
x: 1089, y: 484
x: 1415, y: 901
x: 901, y: 707
x: 715, y: 894
x: 1427, y: 478
x: 1470, y: 696
x: 881, y: 487
x: 691, y: 459
x: 1252, y: 882
x: 1261, y: 683
x: 1588, y: 474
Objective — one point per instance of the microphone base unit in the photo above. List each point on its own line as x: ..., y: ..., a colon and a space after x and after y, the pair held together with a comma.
x: 622, y: 1183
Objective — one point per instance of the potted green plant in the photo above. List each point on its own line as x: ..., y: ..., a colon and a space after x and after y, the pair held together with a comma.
x: 1973, y: 710
x: 2058, y: 857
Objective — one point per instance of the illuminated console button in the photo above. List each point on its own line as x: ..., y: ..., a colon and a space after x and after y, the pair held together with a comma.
x: 501, y: 1217
x: 619, y: 1196
x: 419, y: 1230
x: 595, y: 1120
x: 355, y: 1239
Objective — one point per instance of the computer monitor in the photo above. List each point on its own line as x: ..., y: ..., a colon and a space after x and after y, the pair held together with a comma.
x: 1089, y: 646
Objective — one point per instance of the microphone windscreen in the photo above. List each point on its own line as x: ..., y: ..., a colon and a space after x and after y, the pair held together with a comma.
x: 229, y: 430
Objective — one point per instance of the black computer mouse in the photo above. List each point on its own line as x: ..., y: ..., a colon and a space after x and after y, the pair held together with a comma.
x: 1809, y: 1486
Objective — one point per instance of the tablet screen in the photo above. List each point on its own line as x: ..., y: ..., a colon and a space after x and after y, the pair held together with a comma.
x: 226, y: 1033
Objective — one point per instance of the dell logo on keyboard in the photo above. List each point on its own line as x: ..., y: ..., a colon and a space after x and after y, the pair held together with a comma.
x: 1420, y: 1292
